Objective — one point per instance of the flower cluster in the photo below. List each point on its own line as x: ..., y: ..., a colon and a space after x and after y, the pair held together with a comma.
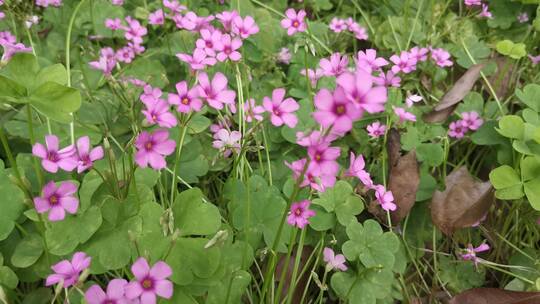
x: 469, y: 121
x: 339, y: 25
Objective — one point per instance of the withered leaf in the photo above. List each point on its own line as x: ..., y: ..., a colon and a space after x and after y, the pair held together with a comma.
x: 501, y: 80
x: 438, y: 116
x: 495, y: 296
x: 464, y: 202
x: 301, y: 281
x: 461, y: 88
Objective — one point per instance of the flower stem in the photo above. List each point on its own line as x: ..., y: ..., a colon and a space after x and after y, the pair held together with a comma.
x: 296, y: 265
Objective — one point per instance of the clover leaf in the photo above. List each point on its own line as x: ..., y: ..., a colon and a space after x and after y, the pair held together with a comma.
x: 363, y: 287
x: 194, y: 216
x: 506, y: 182
x: 12, y: 203
x: 341, y: 201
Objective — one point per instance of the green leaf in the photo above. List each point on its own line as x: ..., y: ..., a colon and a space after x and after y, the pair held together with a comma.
x: 532, y: 190
x: 431, y: 154
x: 190, y: 260
x: 27, y: 251
x: 198, y: 124
x: 341, y: 200
x: 322, y: 220
x: 54, y: 73
x: 487, y: 135
x: 364, y: 287
x: 530, y: 168
x: 11, y: 91
x: 511, y: 126
x: 56, y: 101
x: 194, y: 216
x: 511, y: 49
x: 12, y: 203
x: 530, y: 96
x: 22, y: 68
x: 231, y: 288
x: 460, y: 276
x: 507, y: 183
x: 8, y: 278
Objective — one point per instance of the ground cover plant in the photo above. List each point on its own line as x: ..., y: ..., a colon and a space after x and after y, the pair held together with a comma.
x: 270, y: 151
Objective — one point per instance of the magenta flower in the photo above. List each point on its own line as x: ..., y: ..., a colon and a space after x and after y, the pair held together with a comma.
x: 215, y: 93
x: 357, y: 166
x: 473, y: 2
x: 12, y: 48
x: 85, y: 156
x: 457, y: 129
x: 52, y: 158
x: 334, y: 66
x: 335, y: 110
x: 281, y: 111
x: 385, y: 198
x: 174, y: 6
x: 106, y: 61
x: 404, y: 115
x: 376, y: 129
x: 332, y: 260
x: 412, y: 99
x: 470, y: 253
x: 125, y: 54
x: 387, y: 80
x: 284, y: 56
x: 208, y: 41
x: 418, y: 53
x: 113, y: 24
x: 369, y: 61
x: 534, y: 59
x: 253, y: 111
x: 337, y: 25
x: 152, y: 149
x: 117, y: 2
x: 68, y: 272
x: 313, y: 75
x: 198, y: 61
x: 441, y: 57
x: 323, y: 158
x: 485, y: 12
x: 185, y: 100
x: 299, y: 214
x: 244, y: 27
x: 226, y: 18
x: 227, y: 142
x: 158, y: 113
x: 134, y: 30
x: 150, y: 94
x: 316, y: 179
x: 156, y: 18
x: 359, y: 32
x: 314, y: 138
x: 523, y: 17
x: 403, y: 63
x: 472, y: 120
x: 115, y: 293
x: 294, y: 22
x: 149, y: 282
x: 359, y: 89
x: 57, y: 200
x: 227, y: 48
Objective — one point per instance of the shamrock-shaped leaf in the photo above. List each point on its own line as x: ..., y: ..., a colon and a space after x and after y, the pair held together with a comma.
x: 460, y: 276
x: 511, y: 49
x: 27, y: 251
x: 506, y: 182
x: 342, y: 201
x: 511, y: 126
x: 194, y: 216
x: 530, y: 96
x: 12, y: 203
x: 364, y: 287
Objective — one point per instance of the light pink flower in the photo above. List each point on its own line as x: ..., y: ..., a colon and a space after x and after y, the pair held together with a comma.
x: 385, y: 198
x: 470, y: 253
x: 117, y: 2
x: 388, y: 80
x: 226, y: 18
x: 357, y: 169
x: 149, y: 282
x: 152, y: 149
x: 281, y: 111
x: 323, y: 158
x: 253, y: 111
x: 404, y: 63
x: 198, y: 61
x: 284, y: 56
x: 125, y: 54
x: 314, y: 138
x: 485, y: 12
x: 115, y: 293
x: 227, y: 48
x: 376, y: 129
x: 106, y: 61
x: 134, y: 31
x: 359, y: 32
x: 335, y: 110
x: 404, y: 115
x: 113, y: 24
x: 52, y: 157
x: 314, y: 178
x: 150, y: 94
x: 156, y: 18
x: 68, y: 272
x: 472, y: 120
x: 12, y: 48
x: 441, y: 57
x: 244, y: 27
x: 208, y: 41
x: 534, y: 59
x: 185, y: 100
x: 412, y: 99
x: 158, y: 113
x: 86, y: 157
x: 369, y: 61
x: 227, y: 142
x: 174, y: 6
x: 334, y: 261
x: 457, y: 129
x: 359, y: 89
x: 313, y: 75
x: 215, y: 92
x: 299, y: 214
x: 523, y: 17
x: 418, y: 53
x: 337, y: 25
x: 294, y: 22
x: 334, y: 66
x: 473, y: 2
x: 57, y: 200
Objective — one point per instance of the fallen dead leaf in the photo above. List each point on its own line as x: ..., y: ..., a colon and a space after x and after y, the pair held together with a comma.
x: 461, y: 88
x: 438, y: 116
x: 495, y: 296
x: 502, y: 79
x: 464, y: 202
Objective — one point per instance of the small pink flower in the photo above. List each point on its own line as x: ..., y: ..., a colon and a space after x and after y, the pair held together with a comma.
x: 385, y: 198
x: 149, y: 282
x: 253, y: 111
x: 117, y: 2
x: 412, y: 99
x: 457, y: 129
x: 125, y: 54
x: 150, y: 94
x: 299, y: 214
x: 68, y: 272
x: 359, y: 32
x: 11, y: 49
x: 152, y: 149
x: 485, y: 12
x: 441, y: 57
x: 227, y: 142
x: 357, y: 169
x: 227, y: 48
x: 208, y: 41
x: 85, y: 156
x: 244, y: 27
x: 334, y: 261
x: 313, y: 75
x: 404, y: 115
x: 156, y: 18
x: 473, y: 2
x: 472, y: 120
x: 470, y: 253
x: 334, y: 66
x: 185, y: 100
x: 335, y: 110
x: 52, y: 158
x: 134, y: 30
x: 106, y: 61
x: 418, y: 53
x: 57, y: 200
x: 198, y: 61
x: 376, y: 129
x: 534, y: 59
x: 294, y: 22
x: 115, y: 293
x: 226, y: 18
x: 387, y: 80
x: 113, y: 24
x: 314, y: 178
x: 337, y: 25
x: 158, y: 113
x: 284, y: 56
x: 314, y: 138
x: 404, y: 63
x: 281, y: 111
x: 215, y: 92
x: 523, y: 17
x: 359, y: 89
x: 369, y: 61
x: 174, y: 6
x: 323, y: 158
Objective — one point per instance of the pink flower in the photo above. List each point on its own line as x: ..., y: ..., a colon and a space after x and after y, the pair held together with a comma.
x: 385, y: 198
x: 11, y: 47
x: 198, y: 61
x: 359, y: 89
x: 317, y: 180
x: 125, y: 54
x: 356, y: 169
x: 156, y: 18
x: 253, y: 111
x: 472, y: 120
x: 404, y: 115
x: 85, y: 156
x: 376, y: 129
x: 337, y: 25
x: 332, y: 260
x: 294, y: 22
x: 457, y: 129
x: 299, y: 214
x: 215, y: 93
x: 403, y: 63
x: 227, y: 48
x: 359, y: 32
x: 150, y: 94
x: 186, y: 100
x: 244, y: 27
x: 369, y: 61
x: 323, y: 158
x: 412, y: 99
x: 68, y: 272
x: 485, y: 12
x: 174, y: 6
x: 134, y: 31
x: 388, y: 80
x: 149, y: 282
x: 226, y: 18
x: 334, y: 66
x: 46, y: 3
x: 227, y: 142
x: 314, y: 138
x: 208, y: 41
x: 57, y: 200
x: 158, y: 113
x: 473, y: 2
x: 281, y: 111
x: 114, y: 295
x: 52, y: 158
x: 113, y: 24
x: 418, y: 53
x: 470, y: 253
x: 523, y: 17
x: 192, y: 22
x: 117, y: 2
x: 335, y: 110
x: 152, y: 149
x: 441, y: 57
x: 313, y: 75
x: 284, y: 56
x: 534, y: 59
x: 106, y: 61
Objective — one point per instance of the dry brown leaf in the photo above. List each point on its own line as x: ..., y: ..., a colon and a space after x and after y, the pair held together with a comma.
x: 495, y: 296
x: 438, y: 116
x: 301, y: 281
x: 461, y: 88
x: 464, y: 202
x: 502, y: 79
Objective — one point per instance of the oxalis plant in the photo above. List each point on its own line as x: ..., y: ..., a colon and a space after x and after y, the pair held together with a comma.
x: 250, y: 151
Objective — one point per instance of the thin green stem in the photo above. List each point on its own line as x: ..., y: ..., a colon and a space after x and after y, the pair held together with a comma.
x: 285, y: 268
x: 297, y: 259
